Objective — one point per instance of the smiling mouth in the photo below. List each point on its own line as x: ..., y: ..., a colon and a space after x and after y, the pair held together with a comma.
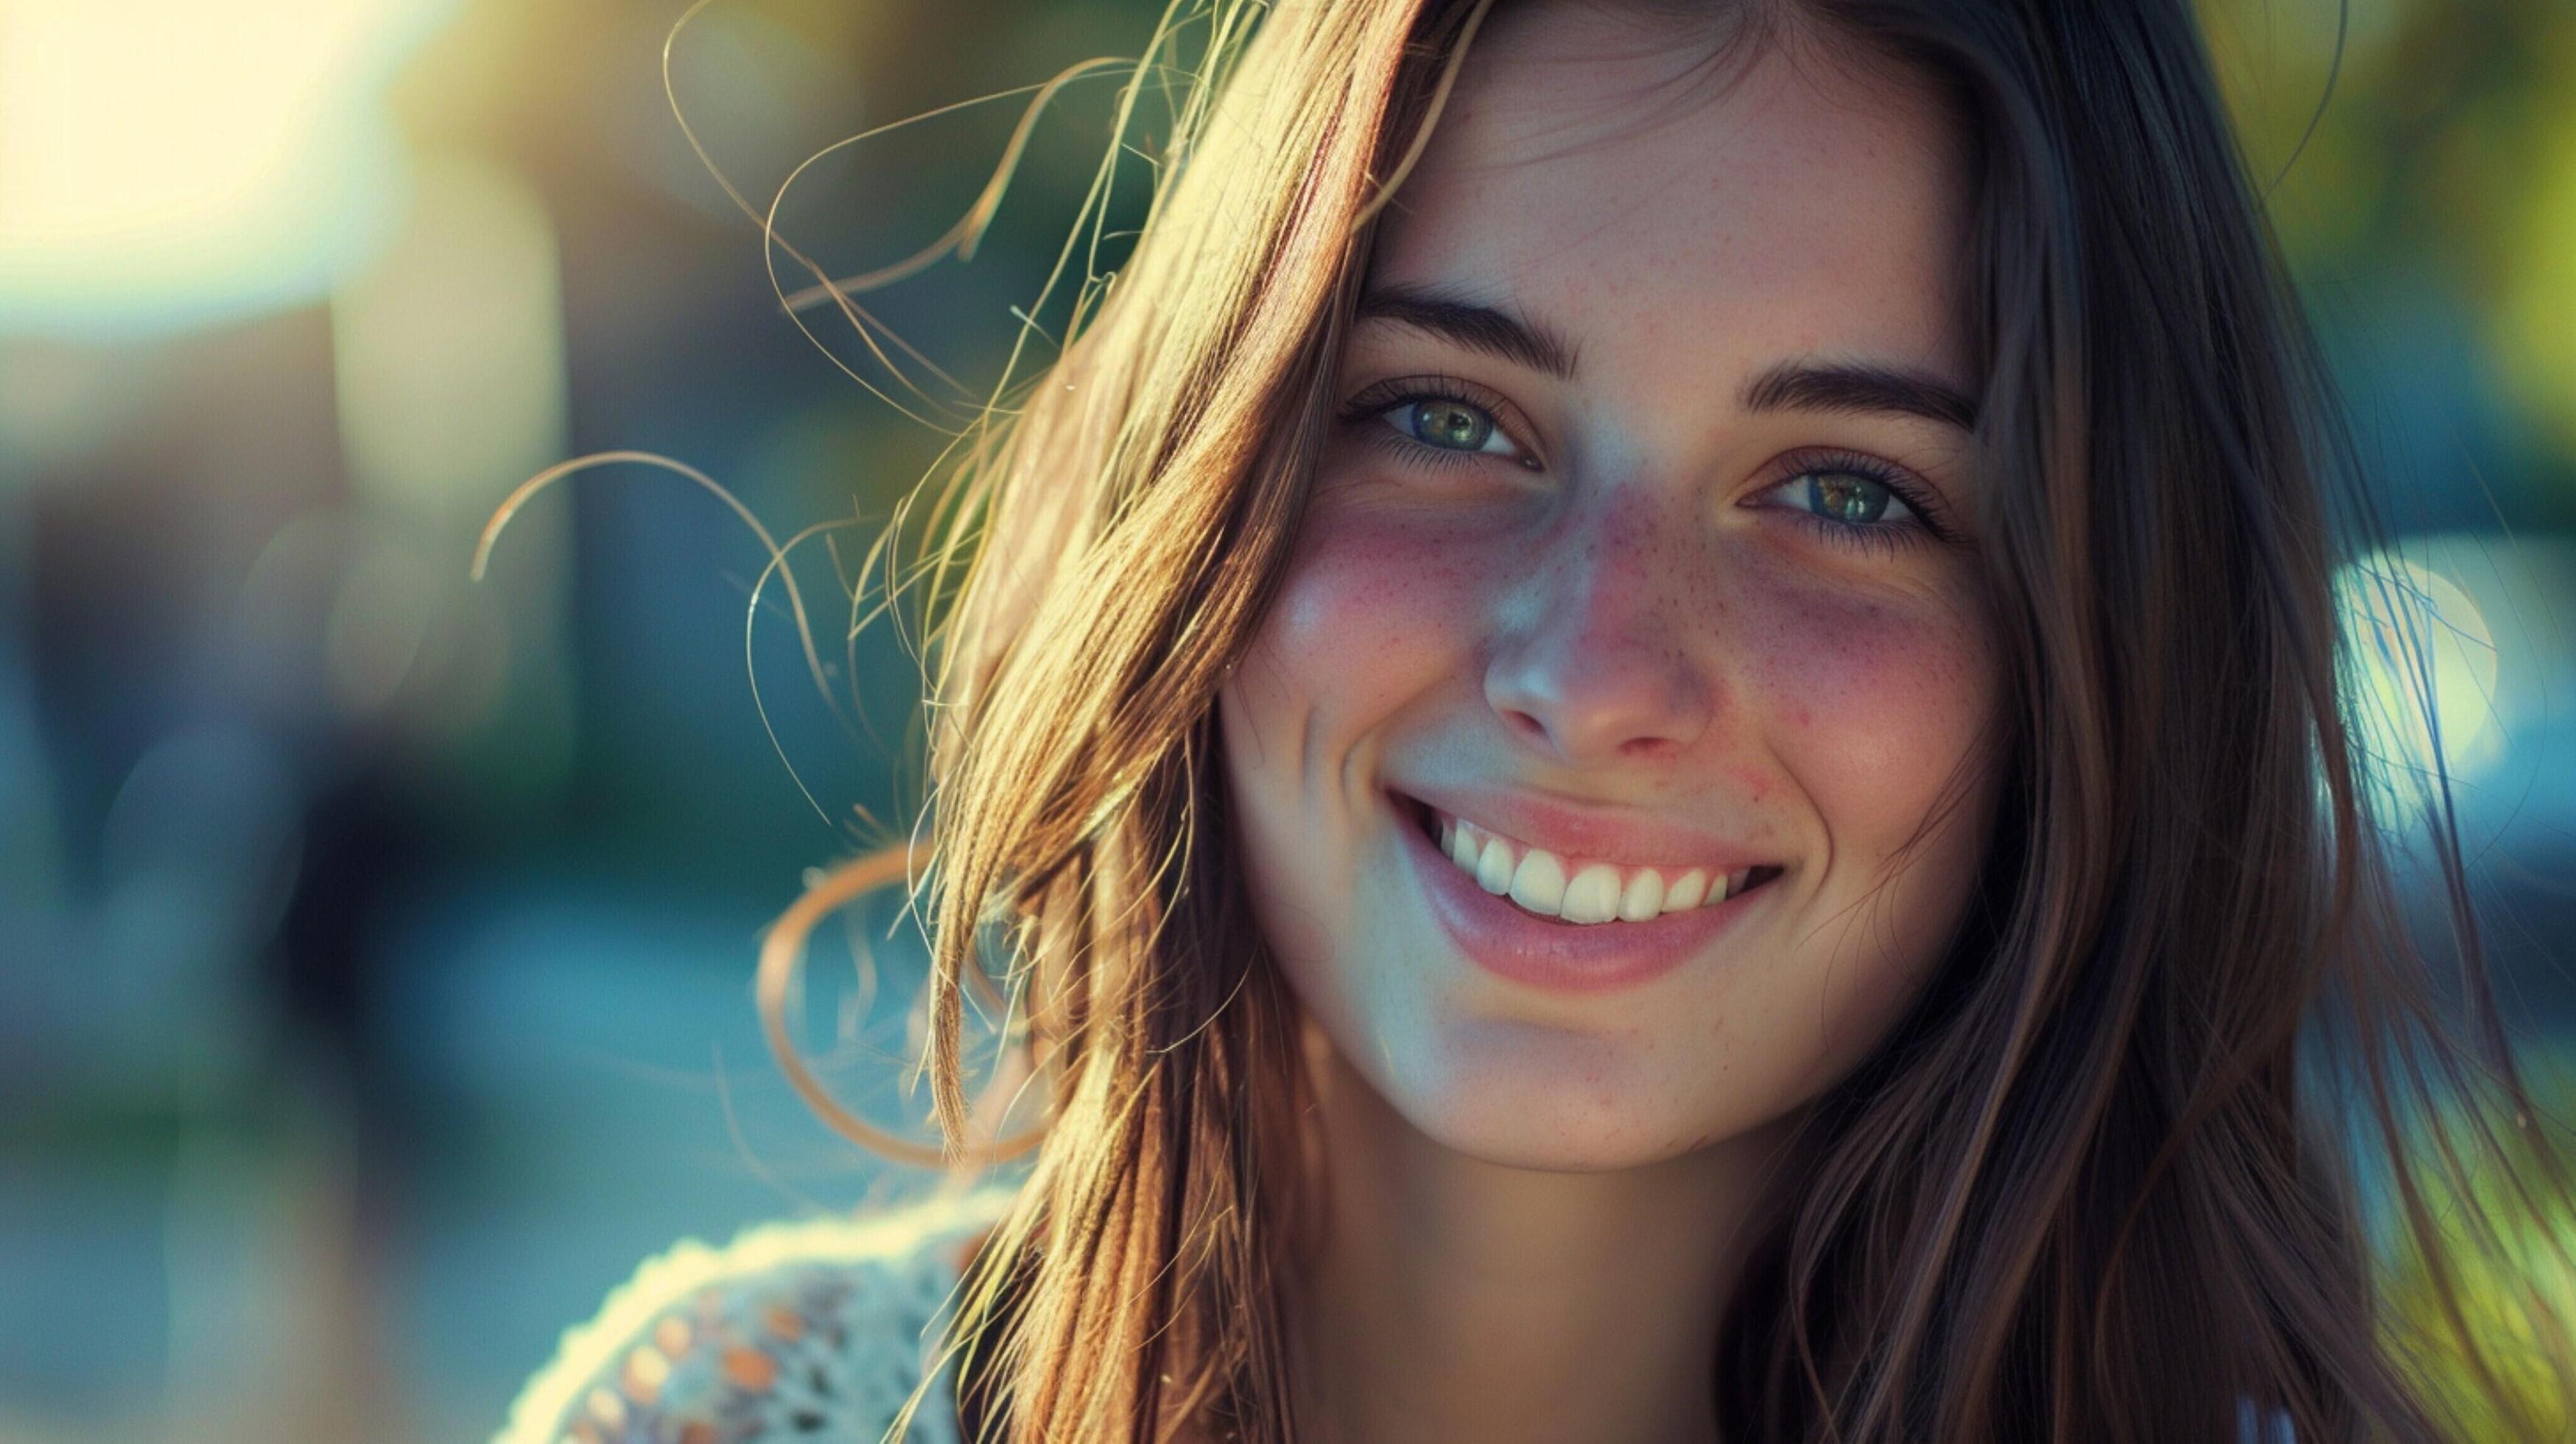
x: 1576, y: 890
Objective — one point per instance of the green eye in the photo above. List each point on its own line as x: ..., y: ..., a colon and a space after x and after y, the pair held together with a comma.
x: 1849, y: 497
x: 1847, y: 504
x: 1449, y: 425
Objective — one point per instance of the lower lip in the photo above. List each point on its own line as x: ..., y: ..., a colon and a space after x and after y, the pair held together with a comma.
x: 1509, y: 941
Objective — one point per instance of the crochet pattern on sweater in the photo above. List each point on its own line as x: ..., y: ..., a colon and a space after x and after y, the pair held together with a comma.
x: 808, y: 1330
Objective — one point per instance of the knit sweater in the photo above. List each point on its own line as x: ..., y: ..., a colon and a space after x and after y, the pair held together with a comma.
x: 802, y: 1332
x: 814, y: 1330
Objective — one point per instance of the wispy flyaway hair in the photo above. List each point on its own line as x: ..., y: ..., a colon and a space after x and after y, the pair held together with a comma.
x: 2095, y: 1185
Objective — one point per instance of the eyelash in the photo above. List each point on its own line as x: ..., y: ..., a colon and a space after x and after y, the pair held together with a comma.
x: 1885, y: 539
x: 1385, y: 396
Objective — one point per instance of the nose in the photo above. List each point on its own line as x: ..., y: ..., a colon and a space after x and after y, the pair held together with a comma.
x: 1600, y: 657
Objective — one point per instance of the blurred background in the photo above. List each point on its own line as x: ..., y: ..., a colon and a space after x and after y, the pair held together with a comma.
x: 375, y: 945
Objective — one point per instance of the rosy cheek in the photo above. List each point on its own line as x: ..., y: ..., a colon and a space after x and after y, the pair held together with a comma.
x: 1374, y: 610
x: 1872, y: 700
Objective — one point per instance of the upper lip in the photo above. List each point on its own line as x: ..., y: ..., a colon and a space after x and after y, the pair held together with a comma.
x: 1590, y: 832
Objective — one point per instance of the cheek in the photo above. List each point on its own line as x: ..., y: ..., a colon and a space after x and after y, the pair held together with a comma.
x: 1873, y: 701
x: 1875, y: 705
x: 1372, y: 614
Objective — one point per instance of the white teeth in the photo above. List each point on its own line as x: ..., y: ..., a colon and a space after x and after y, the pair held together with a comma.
x: 1536, y: 879
x: 1644, y: 897
x: 1592, y: 896
x: 1539, y: 882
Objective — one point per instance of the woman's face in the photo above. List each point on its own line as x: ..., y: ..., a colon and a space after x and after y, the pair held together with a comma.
x: 1641, y: 559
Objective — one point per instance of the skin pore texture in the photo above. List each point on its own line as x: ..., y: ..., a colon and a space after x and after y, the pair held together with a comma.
x: 1667, y: 600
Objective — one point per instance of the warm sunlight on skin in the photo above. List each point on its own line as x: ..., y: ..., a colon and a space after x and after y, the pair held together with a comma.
x: 1622, y: 578
x: 1632, y: 616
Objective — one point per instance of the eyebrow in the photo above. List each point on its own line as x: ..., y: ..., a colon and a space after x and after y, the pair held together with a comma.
x: 1471, y: 324
x: 1788, y: 386
x: 1819, y: 386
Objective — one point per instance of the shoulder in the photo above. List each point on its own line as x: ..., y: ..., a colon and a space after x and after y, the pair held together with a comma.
x: 819, y: 1328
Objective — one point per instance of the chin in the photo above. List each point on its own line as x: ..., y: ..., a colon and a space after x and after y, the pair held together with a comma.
x: 1528, y: 1095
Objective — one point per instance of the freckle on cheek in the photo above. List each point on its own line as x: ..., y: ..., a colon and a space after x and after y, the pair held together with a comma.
x: 1753, y: 781
x: 1353, y: 575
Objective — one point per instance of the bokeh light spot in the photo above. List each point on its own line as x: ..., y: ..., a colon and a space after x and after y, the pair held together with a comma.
x: 2421, y: 679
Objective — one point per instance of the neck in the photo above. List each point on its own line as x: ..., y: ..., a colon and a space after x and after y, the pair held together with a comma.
x: 1452, y: 1298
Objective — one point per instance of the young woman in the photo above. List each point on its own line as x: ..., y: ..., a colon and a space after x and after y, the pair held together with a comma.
x: 1653, y: 711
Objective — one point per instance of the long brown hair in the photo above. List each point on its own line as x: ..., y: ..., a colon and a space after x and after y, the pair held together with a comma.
x: 2094, y: 1185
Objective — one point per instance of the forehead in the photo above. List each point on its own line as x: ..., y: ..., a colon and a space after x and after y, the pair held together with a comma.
x: 1619, y: 178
